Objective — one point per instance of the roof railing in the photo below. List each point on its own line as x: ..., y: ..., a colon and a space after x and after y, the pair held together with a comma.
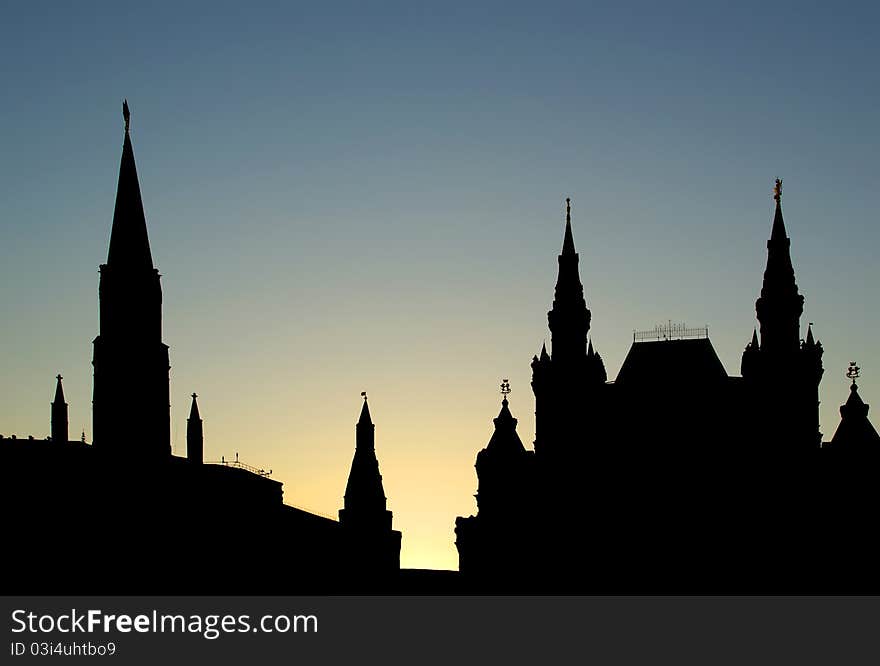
x: 671, y: 331
x: 259, y: 471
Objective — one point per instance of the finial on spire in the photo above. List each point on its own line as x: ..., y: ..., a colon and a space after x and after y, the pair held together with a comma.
x: 126, y: 114
x: 505, y: 389
x: 568, y: 209
x: 364, y: 395
x: 777, y: 190
x: 852, y: 372
x: 59, y: 377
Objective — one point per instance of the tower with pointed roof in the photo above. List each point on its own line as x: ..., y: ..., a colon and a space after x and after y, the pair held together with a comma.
x: 783, y: 370
x: 365, y: 499
x: 373, y: 546
x: 505, y: 497
x: 571, y: 372
x: 131, y: 413
x: 59, y: 414
x: 855, y: 433
x: 195, y: 442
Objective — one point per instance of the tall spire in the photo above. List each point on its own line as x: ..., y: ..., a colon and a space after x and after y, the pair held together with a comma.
x: 364, y: 500
x: 59, y: 423
x: 129, y: 244
x: 780, y: 305
x: 568, y: 239
x: 195, y: 439
x: 569, y: 319
x: 131, y: 415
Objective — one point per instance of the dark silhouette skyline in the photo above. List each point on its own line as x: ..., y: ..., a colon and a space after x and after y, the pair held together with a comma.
x: 131, y: 517
x: 675, y: 476
x: 668, y: 479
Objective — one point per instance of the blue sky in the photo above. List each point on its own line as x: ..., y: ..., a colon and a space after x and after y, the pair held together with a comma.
x: 344, y: 197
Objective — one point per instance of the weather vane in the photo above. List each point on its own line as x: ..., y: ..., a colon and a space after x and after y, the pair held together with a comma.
x: 852, y: 372
x: 505, y: 388
x: 777, y: 190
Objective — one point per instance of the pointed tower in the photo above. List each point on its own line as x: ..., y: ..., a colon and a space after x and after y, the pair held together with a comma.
x: 59, y: 414
x: 130, y: 404
x: 571, y: 374
x: 371, y: 546
x: 782, y: 371
x: 856, y: 433
x: 503, y: 488
x: 569, y: 319
x: 364, y: 495
x: 195, y: 445
x: 780, y: 306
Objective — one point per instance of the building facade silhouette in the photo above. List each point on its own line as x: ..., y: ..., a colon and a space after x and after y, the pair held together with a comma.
x: 675, y: 476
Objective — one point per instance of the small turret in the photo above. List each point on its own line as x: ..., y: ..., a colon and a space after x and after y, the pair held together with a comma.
x: 855, y: 432
x: 195, y: 443
x: 59, y: 414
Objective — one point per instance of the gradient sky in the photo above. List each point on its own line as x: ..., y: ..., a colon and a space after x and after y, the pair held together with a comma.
x: 343, y: 197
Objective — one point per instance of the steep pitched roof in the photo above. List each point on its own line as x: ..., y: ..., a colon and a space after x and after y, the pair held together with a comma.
x: 129, y: 244
x: 693, y: 360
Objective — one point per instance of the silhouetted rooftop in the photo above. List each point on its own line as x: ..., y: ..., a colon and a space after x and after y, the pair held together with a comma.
x: 672, y: 361
x: 855, y: 429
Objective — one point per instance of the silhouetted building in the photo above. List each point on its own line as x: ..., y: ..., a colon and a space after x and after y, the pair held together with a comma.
x: 123, y: 515
x: 675, y: 476
x: 366, y: 521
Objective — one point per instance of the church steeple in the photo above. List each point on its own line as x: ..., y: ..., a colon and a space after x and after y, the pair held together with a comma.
x: 59, y: 414
x: 569, y: 319
x: 780, y: 306
x: 129, y: 244
x: 195, y: 441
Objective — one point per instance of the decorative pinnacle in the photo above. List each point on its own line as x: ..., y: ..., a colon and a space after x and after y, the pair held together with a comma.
x: 777, y: 190
x: 852, y: 372
x: 126, y: 114
x: 505, y: 388
x: 568, y: 209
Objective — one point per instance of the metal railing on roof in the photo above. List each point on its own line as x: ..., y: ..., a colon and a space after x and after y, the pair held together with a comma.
x: 671, y: 331
x: 259, y: 471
